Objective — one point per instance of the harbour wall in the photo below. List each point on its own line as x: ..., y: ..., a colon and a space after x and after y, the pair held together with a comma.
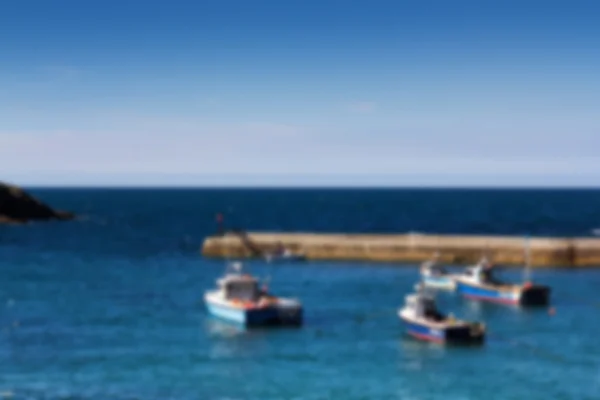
x: 411, y: 248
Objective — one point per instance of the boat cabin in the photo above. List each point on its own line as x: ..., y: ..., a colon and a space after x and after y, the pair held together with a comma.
x: 482, y: 273
x: 238, y: 285
x: 432, y: 268
x: 471, y: 272
x: 423, y: 306
x: 241, y: 287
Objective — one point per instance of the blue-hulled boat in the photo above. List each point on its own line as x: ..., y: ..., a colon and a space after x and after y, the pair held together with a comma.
x: 424, y: 321
x: 479, y: 283
x: 435, y: 276
x: 239, y: 299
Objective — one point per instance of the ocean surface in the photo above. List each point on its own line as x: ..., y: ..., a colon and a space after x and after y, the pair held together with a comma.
x: 110, y: 306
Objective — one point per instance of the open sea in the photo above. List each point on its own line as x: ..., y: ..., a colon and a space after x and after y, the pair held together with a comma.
x: 109, y: 307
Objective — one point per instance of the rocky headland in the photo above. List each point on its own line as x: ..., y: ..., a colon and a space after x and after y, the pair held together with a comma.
x: 19, y: 207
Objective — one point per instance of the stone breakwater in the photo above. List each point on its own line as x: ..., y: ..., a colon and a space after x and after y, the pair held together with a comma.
x: 411, y: 248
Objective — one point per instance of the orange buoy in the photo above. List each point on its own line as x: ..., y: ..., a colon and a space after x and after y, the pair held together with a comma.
x: 551, y: 311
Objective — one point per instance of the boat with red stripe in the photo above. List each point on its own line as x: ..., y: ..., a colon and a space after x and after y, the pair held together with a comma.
x: 424, y: 321
x: 478, y: 282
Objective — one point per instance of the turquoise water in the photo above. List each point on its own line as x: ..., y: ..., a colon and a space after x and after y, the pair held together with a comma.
x: 110, y: 307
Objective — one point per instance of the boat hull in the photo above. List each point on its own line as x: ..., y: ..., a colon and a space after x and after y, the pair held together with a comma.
x: 440, y: 282
x: 290, y: 315
x: 536, y: 295
x: 533, y: 295
x: 448, y: 334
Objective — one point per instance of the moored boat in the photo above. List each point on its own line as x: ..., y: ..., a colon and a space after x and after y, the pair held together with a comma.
x: 285, y: 255
x: 281, y: 253
x: 424, y: 321
x: 239, y: 299
x: 479, y: 283
x: 436, y: 276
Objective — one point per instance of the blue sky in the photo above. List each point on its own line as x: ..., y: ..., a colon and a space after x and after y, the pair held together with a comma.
x: 466, y: 93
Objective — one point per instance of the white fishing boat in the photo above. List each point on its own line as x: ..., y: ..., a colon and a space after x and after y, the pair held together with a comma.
x: 239, y: 299
x: 282, y: 253
x: 434, y: 275
x: 424, y: 321
x: 287, y: 255
x: 478, y: 282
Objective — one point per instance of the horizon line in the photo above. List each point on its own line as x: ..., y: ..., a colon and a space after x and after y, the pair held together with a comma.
x: 311, y: 187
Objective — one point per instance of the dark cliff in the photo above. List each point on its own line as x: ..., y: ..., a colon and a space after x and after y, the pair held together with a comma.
x: 17, y: 206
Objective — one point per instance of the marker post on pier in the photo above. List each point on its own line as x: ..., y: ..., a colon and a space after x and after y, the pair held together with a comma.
x: 220, y: 229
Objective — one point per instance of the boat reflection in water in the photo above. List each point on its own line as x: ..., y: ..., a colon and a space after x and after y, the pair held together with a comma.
x: 219, y: 328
